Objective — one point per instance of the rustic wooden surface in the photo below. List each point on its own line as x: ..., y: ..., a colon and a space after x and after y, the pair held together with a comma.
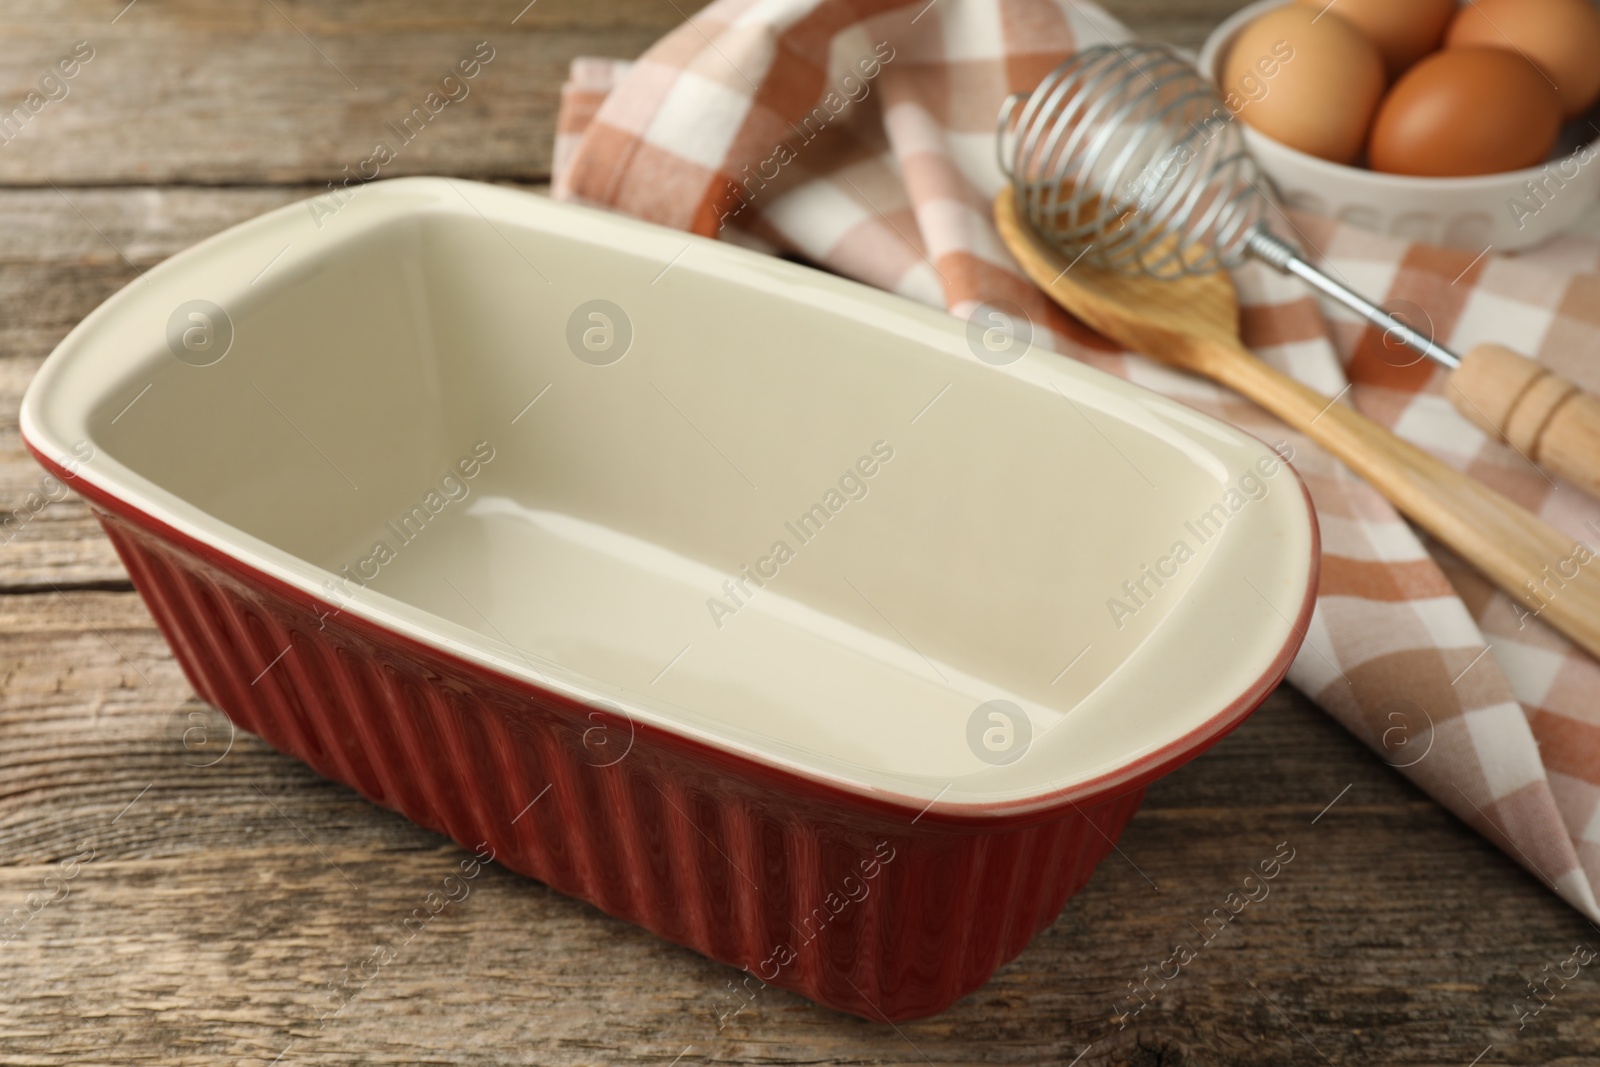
x: 222, y: 887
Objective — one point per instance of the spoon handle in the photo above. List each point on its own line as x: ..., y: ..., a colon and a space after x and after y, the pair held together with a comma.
x: 1554, y: 577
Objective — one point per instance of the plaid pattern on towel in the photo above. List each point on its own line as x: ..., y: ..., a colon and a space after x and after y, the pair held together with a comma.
x: 860, y: 136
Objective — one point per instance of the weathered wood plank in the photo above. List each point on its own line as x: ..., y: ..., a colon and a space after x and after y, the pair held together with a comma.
x: 1185, y: 23
x: 296, y: 90
x: 222, y: 900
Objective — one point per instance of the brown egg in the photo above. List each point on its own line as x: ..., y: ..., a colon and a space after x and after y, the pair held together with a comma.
x: 1403, y: 30
x: 1561, y: 36
x: 1310, y: 81
x: 1466, y: 111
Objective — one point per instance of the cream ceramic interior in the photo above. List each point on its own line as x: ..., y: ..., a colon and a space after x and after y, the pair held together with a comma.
x: 375, y: 351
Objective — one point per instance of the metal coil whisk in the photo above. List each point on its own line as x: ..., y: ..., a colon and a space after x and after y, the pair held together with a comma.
x: 1126, y: 158
x: 1129, y: 157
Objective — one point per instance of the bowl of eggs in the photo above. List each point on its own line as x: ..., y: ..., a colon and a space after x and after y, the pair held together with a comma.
x: 1469, y: 125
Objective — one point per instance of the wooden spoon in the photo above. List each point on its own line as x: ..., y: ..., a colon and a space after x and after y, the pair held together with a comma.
x: 1193, y: 324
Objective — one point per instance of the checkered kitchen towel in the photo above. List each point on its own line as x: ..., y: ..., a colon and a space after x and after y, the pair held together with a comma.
x: 859, y: 134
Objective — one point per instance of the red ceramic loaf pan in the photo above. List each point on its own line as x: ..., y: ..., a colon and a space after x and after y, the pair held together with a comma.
x: 745, y: 602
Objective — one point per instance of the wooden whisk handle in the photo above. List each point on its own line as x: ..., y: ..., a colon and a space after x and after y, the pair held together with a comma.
x: 1542, y: 415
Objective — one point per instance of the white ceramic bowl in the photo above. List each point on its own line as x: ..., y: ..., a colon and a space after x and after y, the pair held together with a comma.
x: 1470, y: 213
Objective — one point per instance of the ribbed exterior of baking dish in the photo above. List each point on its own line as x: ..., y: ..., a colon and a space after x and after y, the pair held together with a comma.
x: 749, y: 865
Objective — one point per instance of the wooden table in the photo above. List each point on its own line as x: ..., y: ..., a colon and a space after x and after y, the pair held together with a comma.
x: 220, y: 888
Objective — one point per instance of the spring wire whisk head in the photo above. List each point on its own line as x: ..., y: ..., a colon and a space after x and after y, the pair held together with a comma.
x: 1125, y: 156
